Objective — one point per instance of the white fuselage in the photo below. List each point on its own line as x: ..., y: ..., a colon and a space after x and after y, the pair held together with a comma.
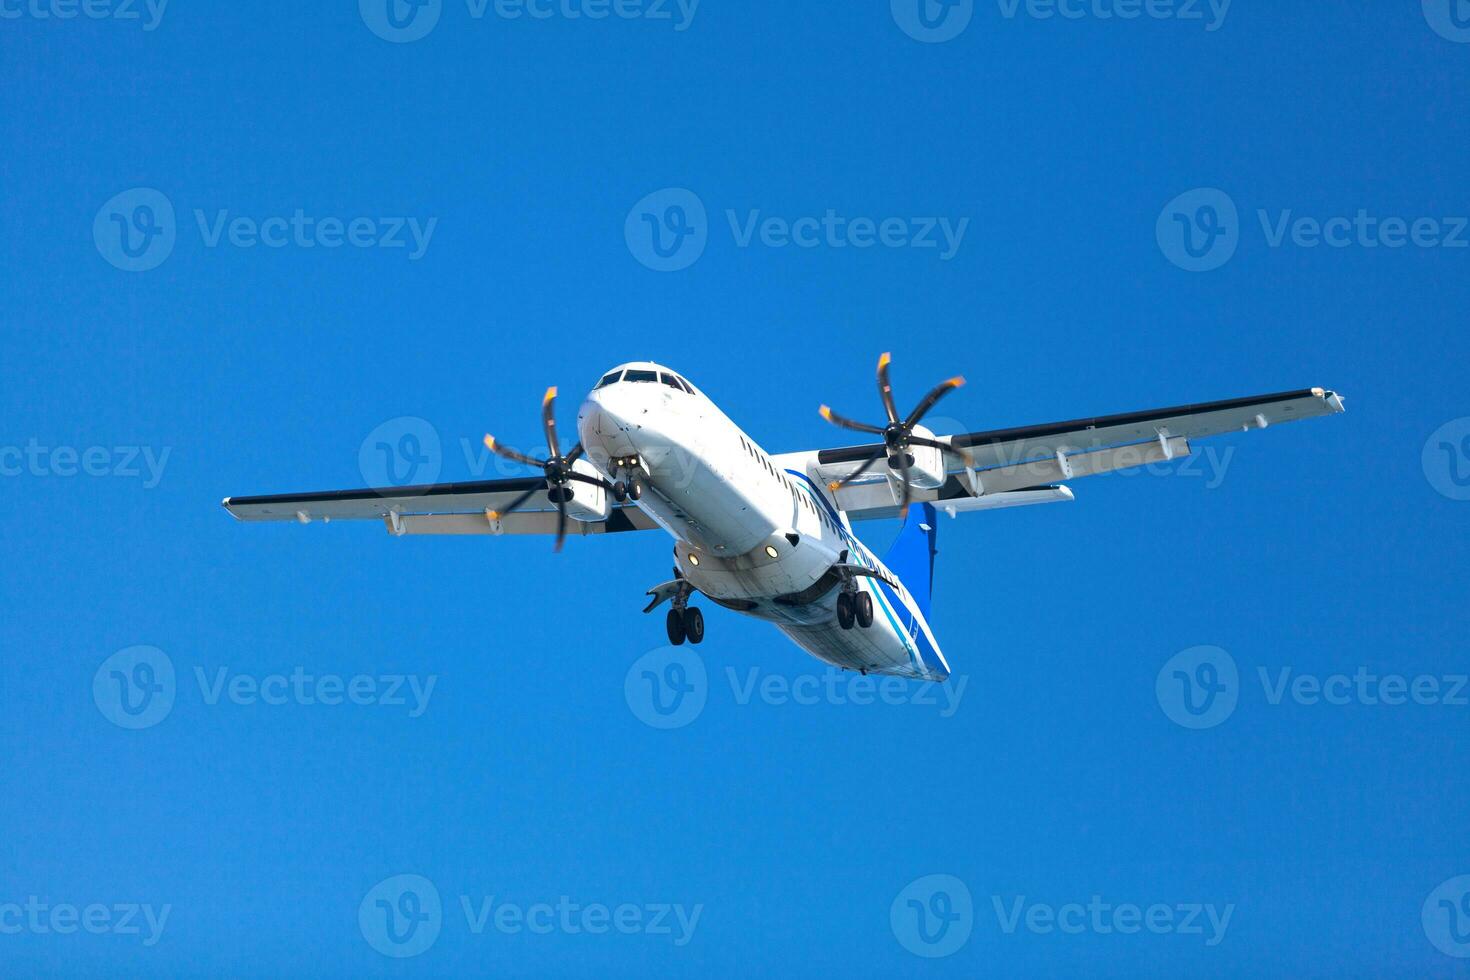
x: 731, y: 507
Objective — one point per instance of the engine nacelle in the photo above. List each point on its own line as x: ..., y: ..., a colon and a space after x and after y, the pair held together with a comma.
x: 588, y: 503
x: 927, y: 471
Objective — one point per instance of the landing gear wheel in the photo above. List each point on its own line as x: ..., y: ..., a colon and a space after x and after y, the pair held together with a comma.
x: 694, y: 624
x: 619, y: 492
x: 674, y: 623
x: 845, y: 611
x: 864, y: 609
x: 635, y: 488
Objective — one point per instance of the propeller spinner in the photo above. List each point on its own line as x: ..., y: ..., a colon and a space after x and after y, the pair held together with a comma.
x: 898, y: 435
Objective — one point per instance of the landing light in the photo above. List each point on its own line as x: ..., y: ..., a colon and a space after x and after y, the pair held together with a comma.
x: 693, y: 559
x: 771, y: 550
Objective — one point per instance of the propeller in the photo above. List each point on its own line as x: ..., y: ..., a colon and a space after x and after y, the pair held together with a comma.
x: 898, y: 433
x: 557, y: 468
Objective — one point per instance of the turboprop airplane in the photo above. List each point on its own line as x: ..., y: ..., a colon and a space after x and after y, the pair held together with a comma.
x: 771, y: 536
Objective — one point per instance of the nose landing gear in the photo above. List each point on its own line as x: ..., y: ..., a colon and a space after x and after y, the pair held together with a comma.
x: 627, y: 481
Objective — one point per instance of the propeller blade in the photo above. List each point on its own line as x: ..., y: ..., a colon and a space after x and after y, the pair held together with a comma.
x: 548, y: 419
x: 934, y: 444
x: 496, y: 515
x: 885, y: 390
x: 929, y: 400
x: 846, y: 423
x: 867, y: 465
x: 575, y: 454
x: 508, y: 452
x: 561, y: 524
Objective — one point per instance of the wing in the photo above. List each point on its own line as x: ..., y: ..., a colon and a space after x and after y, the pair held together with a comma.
x: 435, y: 508
x: 1005, y: 467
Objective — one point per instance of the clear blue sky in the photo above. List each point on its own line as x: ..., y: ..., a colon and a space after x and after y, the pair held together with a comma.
x: 794, y: 828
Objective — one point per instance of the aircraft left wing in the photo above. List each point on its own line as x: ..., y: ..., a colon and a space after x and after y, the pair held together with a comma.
x: 1007, y: 467
x: 435, y: 508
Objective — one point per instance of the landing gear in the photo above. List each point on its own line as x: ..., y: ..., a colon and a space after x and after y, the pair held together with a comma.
x: 635, y: 488
x: 684, y: 624
x: 854, y: 608
x: 619, y: 492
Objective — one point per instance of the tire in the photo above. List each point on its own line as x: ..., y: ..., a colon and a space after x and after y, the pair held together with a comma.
x: 635, y: 489
x: 844, y: 610
x: 694, y: 624
x: 674, y: 623
x: 619, y: 492
x: 864, y: 610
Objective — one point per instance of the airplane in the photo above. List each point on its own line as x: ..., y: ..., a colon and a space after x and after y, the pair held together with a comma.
x: 770, y: 535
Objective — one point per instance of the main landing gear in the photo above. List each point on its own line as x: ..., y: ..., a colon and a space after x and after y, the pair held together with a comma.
x: 685, y: 624
x: 854, y: 607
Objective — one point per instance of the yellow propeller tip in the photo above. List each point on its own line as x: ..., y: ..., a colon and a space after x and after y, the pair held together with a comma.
x: 834, y: 486
x: 884, y: 358
x: 494, y: 515
x: 958, y: 381
x: 825, y: 412
x: 550, y: 394
x: 489, y: 442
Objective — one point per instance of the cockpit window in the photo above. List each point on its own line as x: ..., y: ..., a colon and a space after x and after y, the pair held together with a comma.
x: 608, y: 379
x: 672, y: 381
x: 686, y: 385
x: 633, y: 375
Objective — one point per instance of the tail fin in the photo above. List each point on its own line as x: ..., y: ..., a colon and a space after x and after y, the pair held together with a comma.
x: 911, y: 557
